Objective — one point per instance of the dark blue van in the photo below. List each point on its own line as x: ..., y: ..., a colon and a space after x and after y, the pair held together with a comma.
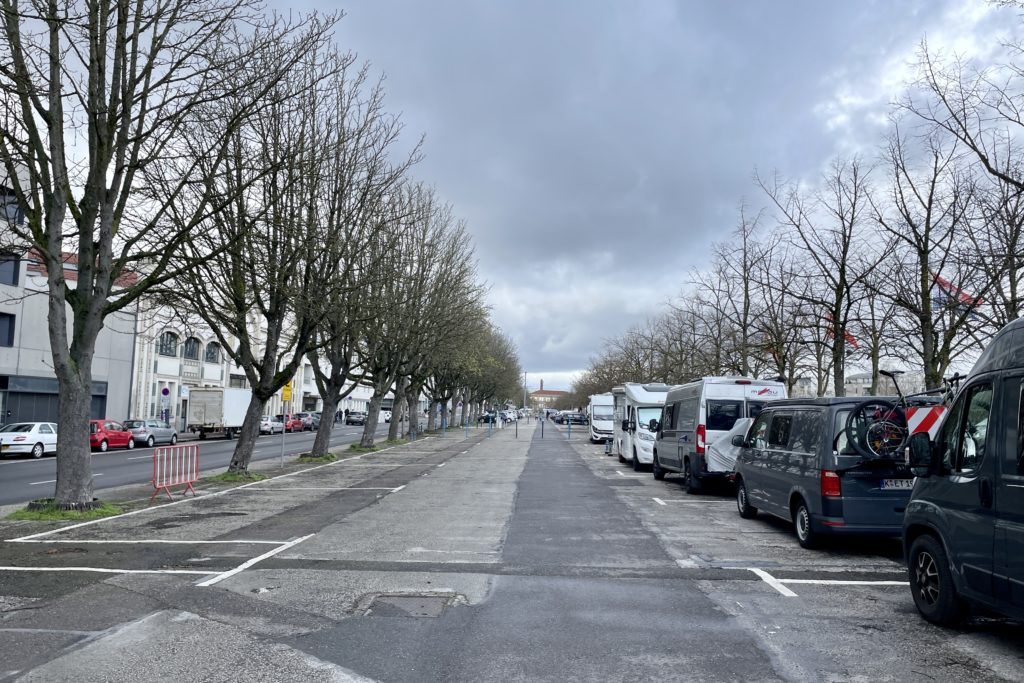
x: 964, y: 528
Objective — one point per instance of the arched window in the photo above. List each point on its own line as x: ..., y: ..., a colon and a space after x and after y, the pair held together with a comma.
x: 167, y: 344
x: 213, y: 352
x: 190, y: 349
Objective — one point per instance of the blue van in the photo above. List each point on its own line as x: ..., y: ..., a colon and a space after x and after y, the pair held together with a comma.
x: 963, y: 533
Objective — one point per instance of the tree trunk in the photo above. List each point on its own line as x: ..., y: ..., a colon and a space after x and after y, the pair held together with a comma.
x: 74, y: 466
x: 411, y: 400
x: 839, y: 361
x: 247, y: 437
x: 372, y: 416
x: 323, y: 433
x: 432, y: 415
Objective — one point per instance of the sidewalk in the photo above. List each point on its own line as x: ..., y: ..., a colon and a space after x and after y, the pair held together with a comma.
x: 207, y: 588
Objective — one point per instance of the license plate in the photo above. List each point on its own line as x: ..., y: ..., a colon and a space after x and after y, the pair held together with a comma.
x: 897, y: 483
x: 5, y: 446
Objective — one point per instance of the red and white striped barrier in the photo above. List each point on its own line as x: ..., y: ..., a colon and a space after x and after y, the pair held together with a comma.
x: 173, y: 466
x: 925, y: 419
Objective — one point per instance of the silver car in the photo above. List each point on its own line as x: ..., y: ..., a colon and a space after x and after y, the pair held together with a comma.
x: 151, y: 432
x: 271, y: 425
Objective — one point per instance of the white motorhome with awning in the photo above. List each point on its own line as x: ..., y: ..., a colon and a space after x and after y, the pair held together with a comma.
x: 635, y: 406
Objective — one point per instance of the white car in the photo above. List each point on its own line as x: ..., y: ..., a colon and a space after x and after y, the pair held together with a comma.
x: 34, y: 438
x: 271, y: 425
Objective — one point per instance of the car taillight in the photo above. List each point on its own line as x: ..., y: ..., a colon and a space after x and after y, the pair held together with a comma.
x: 831, y: 487
x: 701, y: 436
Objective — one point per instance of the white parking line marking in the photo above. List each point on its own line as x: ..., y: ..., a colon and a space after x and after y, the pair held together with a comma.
x: 101, y: 570
x: 147, y: 541
x: 441, y: 464
x: 773, y: 582
x: 398, y: 489
x: 841, y: 582
x: 37, y: 483
x: 322, y: 488
x: 659, y: 501
x: 629, y: 476
x: 248, y: 563
x: 140, y: 457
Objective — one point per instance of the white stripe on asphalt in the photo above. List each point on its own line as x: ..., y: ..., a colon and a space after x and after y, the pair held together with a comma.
x: 841, y: 582
x: 398, y: 489
x: 248, y: 563
x: 148, y: 541
x: 101, y: 570
x: 773, y: 582
x: 659, y: 501
x: 37, y: 483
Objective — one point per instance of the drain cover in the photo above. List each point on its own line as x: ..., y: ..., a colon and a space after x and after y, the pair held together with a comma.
x: 408, y: 606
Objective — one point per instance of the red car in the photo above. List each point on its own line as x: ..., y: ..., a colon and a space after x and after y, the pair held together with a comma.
x: 104, y: 434
x: 291, y: 422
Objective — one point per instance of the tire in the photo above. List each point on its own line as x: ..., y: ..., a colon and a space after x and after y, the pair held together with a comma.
x: 659, y: 474
x: 637, y: 467
x: 690, y: 481
x: 131, y: 444
x: 174, y: 439
x: 37, y: 451
x: 878, y: 429
x: 104, y: 446
x: 202, y: 435
x: 931, y: 582
x: 621, y: 459
x: 150, y: 442
x: 805, y: 533
x: 743, y: 506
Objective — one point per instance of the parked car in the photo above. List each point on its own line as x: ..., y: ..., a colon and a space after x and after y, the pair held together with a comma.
x: 487, y: 418
x: 355, y: 417
x: 795, y: 463
x: 316, y: 420
x: 106, y: 434
x: 308, y: 422
x: 34, y: 438
x: 963, y: 532
x: 152, y: 432
x: 270, y: 424
x: 576, y: 419
x: 291, y: 423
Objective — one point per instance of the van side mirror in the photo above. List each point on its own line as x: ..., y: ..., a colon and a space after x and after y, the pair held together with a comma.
x: 654, y: 426
x: 738, y: 440
x: 632, y: 426
x: 922, y: 456
x: 625, y: 425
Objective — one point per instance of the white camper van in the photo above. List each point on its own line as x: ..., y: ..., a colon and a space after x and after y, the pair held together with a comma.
x: 602, y: 417
x: 702, y: 413
x: 635, y: 406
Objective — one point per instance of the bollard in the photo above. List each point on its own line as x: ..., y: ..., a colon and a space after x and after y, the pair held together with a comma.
x: 569, y: 438
x: 542, y: 428
x: 517, y: 429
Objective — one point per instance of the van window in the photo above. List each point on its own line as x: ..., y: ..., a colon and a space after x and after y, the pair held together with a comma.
x: 722, y: 415
x: 975, y: 430
x: 687, y: 418
x: 778, y: 435
x: 754, y: 408
x: 757, y: 437
x: 666, y: 416
x: 806, y: 431
x: 843, y: 445
x: 1020, y: 432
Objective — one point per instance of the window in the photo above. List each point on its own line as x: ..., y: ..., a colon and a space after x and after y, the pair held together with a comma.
x: 1020, y: 433
x: 45, y: 429
x: 238, y: 382
x: 722, y: 415
x: 778, y: 435
x: 9, y: 269
x: 806, y: 431
x: 842, y: 444
x: 167, y: 345
x: 666, y: 417
x: 10, y: 210
x: 971, y: 452
x: 212, y: 352
x: 754, y: 408
x: 190, y: 349
x: 685, y: 418
x: 758, y: 436
x: 6, y: 329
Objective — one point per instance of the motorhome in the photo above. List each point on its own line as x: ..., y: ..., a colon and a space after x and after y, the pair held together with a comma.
x: 699, y: 413
x: 636, y: 405
x: 602, y: 418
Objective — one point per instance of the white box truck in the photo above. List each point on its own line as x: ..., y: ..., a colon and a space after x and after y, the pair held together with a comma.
x: 217, y: 411
x: 602, y: 417
x: 635, y: 406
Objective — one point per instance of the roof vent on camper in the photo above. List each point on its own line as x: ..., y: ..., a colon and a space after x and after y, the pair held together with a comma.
x: 656, y: 387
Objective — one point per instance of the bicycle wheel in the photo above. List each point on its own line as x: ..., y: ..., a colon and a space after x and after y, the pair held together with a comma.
x: 878, y: 429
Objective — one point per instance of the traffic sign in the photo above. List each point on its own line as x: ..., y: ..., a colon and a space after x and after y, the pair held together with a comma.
x: 286, y: 392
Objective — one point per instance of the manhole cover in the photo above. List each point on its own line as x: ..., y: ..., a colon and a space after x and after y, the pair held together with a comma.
x: 408, y: 606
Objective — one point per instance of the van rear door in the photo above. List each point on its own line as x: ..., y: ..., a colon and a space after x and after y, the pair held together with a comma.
x: 1009, y: 582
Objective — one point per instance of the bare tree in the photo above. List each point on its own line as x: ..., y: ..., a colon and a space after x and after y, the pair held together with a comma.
x: 96, y: 97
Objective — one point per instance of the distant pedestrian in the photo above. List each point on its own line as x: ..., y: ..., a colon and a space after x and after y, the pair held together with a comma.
x: 346, y: 415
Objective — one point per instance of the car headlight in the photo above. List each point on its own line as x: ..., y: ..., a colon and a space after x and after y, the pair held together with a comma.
x: 646, y: 436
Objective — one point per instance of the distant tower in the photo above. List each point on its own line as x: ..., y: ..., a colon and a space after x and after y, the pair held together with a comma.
x: 542, y: 385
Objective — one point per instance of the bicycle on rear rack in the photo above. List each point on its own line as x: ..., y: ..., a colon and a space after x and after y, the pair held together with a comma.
x: 879, y: 428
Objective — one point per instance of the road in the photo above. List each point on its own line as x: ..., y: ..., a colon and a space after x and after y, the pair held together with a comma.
x: 495, y: 558
x: 24, y: 479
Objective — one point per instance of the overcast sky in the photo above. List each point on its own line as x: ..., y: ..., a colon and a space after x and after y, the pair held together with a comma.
x: 597, y: 149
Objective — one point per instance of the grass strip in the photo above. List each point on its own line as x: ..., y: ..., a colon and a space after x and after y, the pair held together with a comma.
x: 306, y: 457
x: 53, y: 513
x: 234, y: 477
x: 356, y: 448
